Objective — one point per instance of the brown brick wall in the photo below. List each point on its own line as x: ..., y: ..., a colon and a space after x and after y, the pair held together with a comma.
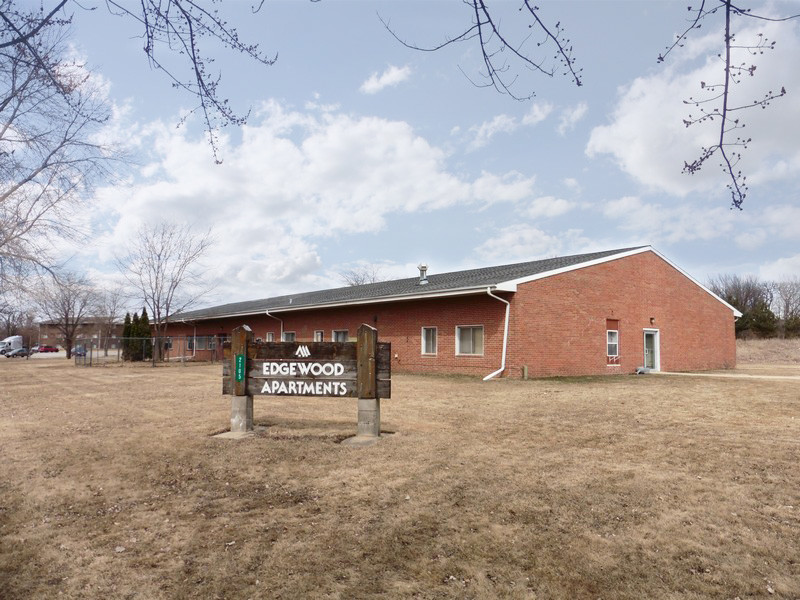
x: 558, y: 324
x: 398, y: 322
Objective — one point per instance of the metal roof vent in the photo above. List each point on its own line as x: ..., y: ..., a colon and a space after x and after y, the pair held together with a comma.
x: 423, y: 273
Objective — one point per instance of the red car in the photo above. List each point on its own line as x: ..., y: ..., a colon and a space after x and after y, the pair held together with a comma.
x: 48, y: 349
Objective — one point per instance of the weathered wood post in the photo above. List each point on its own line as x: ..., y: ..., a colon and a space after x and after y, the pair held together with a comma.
x: 369, y: 405
x: 242, y: 399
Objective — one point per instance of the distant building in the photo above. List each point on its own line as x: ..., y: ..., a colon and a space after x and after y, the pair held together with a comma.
x: 96, y: 331
x: 598, y: 313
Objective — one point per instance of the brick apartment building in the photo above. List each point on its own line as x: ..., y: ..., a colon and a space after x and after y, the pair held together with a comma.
x: 94, y: 331
x: 599, y: 313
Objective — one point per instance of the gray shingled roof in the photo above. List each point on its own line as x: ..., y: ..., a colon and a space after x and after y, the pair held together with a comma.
x: 400, y: 288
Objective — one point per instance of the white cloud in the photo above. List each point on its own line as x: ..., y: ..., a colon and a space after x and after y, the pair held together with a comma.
x: 573, y: 185
x: 548, y: 206
x: 671, y: 224
x: 487, y: 130
x: 570, y: 117
x: 538, y: 113
x: 782, y: 220
x: 510, y: 187
x: 783, y: 268
x: 648, y: 140
x: 392, y: 76
x: 484, y: 132
x: 750, y: 240
x: 523, y: 242
x: 294, y: 179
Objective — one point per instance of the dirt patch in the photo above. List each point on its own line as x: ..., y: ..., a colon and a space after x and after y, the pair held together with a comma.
x: 111, y: 486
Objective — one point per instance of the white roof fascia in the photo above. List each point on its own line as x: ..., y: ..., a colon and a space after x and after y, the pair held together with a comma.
x: 511, y: 285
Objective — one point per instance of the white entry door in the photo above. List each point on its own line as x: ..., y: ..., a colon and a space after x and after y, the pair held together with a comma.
x: 652, y: 360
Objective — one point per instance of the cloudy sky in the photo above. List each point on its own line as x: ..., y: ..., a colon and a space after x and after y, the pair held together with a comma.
x: 359, y: 150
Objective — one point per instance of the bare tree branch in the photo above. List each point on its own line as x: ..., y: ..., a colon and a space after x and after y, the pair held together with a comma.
x: 362, y: 275
x: 503, y: 58
x: 180, y: 26
x: 162, y: 265
x: 718, y: 105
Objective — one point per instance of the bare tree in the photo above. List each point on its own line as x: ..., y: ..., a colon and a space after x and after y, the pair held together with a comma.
x: 787, y: 304
x: 65, y: 300
x: 109, y: 309
x: 49, y: 113
x: 752, y: 297
x: 361, y: 275
x: 14, y: 316
x: 163, y: 266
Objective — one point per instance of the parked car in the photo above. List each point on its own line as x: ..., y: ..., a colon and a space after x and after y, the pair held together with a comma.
x: 79, y: 351
x: 44, y: 348
x: 18, y: 353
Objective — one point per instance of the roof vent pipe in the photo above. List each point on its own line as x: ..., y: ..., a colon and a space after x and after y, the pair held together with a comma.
x: 423, y: 273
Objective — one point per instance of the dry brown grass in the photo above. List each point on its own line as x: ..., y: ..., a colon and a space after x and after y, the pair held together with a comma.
x: 772, y: 352
x: 111, y: 486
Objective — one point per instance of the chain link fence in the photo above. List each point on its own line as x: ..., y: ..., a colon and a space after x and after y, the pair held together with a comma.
x: 90, y: 352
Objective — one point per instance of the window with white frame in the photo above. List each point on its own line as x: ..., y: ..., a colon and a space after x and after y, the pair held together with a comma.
x: 469, y: 340
x: 612, y: 343
x: 288, y: 336
x: 429, y: 340
x: 201, y: 342
x: 340, y: 335
x: 270, y: 337
x: 319, y: 335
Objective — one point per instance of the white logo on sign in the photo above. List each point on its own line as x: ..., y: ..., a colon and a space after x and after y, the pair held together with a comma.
x: 303, y: 352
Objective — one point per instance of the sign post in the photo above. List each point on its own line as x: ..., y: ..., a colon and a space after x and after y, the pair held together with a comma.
x: 242, y: 400
x: 369, y: 405
x: 359, y: 370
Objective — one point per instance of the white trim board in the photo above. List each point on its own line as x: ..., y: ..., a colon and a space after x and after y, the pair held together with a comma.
x: 511, y: 285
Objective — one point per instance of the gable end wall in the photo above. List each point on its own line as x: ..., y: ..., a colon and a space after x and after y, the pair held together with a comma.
x: 558, y: 324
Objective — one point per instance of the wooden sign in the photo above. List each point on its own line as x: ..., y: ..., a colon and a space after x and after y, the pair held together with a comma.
x: 341, y: 369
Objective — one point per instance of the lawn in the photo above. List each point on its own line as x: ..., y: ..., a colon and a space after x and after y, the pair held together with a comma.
x: 113, y: 486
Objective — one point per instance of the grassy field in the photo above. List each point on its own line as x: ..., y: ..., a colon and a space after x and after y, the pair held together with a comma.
x: 112, y: 486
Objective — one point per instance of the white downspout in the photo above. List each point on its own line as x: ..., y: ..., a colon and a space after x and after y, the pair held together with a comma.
x: 266, y: 312
x: 505, y: 336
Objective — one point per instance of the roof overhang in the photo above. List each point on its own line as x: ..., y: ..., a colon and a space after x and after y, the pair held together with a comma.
x: 470, y: 291
x: 511, y: 286
x: 503, y: 286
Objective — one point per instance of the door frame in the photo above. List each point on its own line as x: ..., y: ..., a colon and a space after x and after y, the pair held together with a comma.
x: 656, y: 347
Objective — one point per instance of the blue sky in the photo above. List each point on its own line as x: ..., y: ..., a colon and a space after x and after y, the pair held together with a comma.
x: 359, y: 150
